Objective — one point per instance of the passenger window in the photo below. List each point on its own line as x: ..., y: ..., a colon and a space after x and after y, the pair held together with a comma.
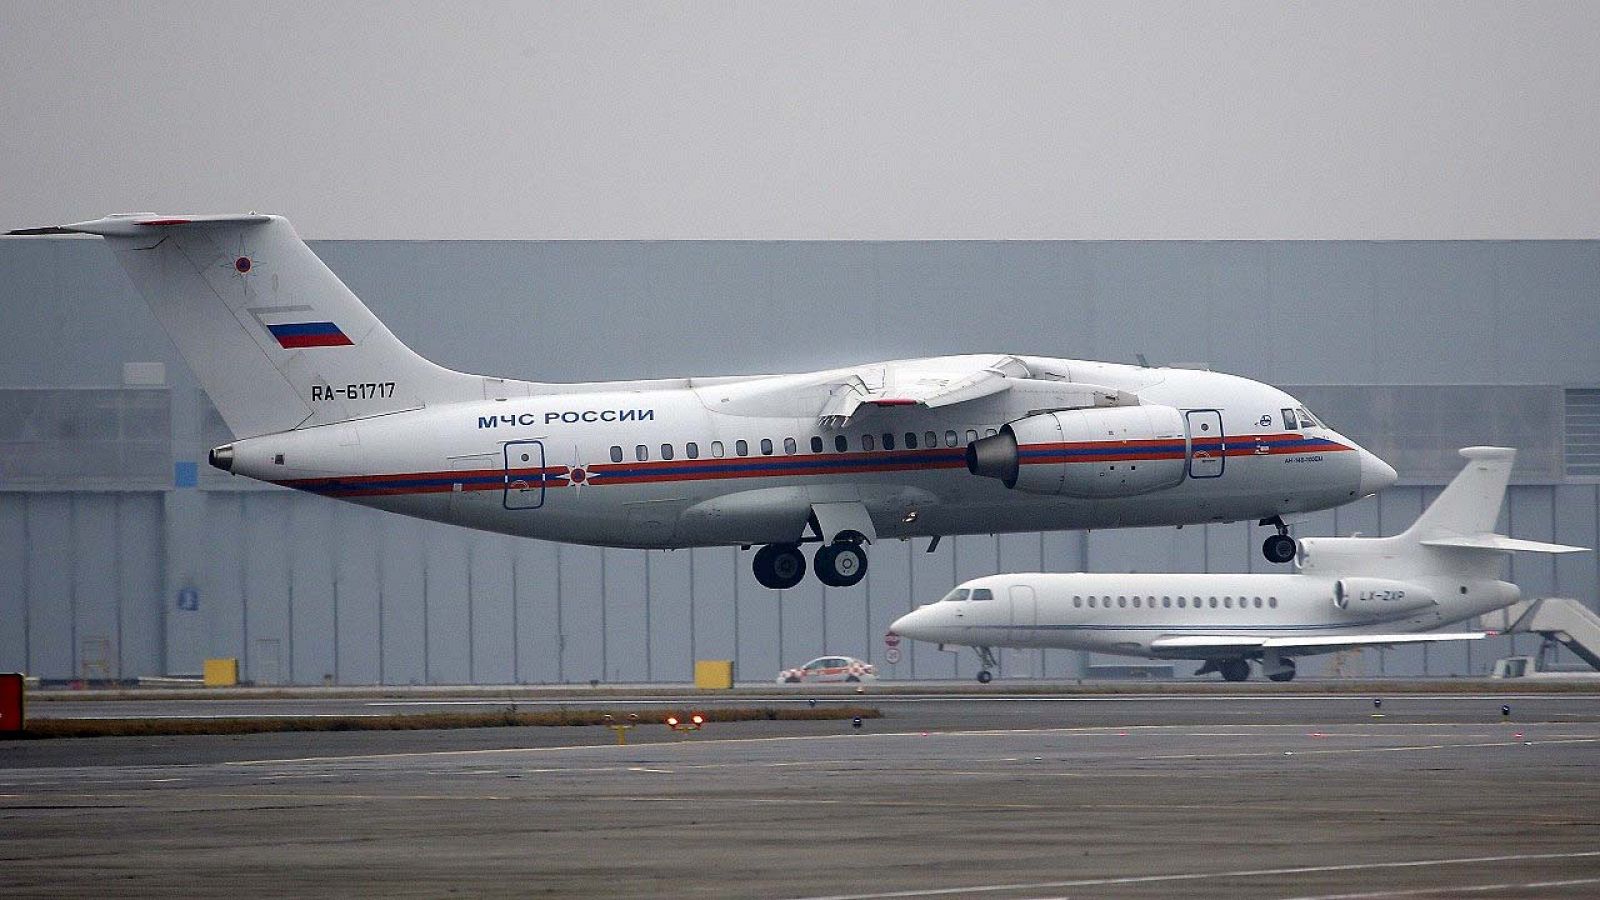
x: 1227, y: 603
x: 841, y: 443
x: 816, y: 444
x: 666, y: 451
x: 1136, y: 603
x: 982, y: 594
x: 641, y: 453
x: 766, y: 446
x: 1183, y: 603
x: 867, y: 443
x: 1213, y: 603
x: 741, y: 447
x: 911, y: 440
x: 971, y: 435
x: 1122, y: 602
x: 790, y: 447
x: 691, y: 450
x: 716, y: 449
x: 950, y: 439
x: 1272, y: 602
x: 989, y: 432
x: 1077, y: 601
x: 1258, y: 603
x: 616, y: 454
x: 888, y: 442
x: 930, y: 439
x: 1166, y: 602
x: 1290, y: 422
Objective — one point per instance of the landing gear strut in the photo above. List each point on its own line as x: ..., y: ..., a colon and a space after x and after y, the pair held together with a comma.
x: 779, y: 566
x: 1279, y: 548
x: 987, y: 660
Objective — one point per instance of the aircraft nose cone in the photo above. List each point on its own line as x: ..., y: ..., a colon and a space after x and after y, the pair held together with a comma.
x: 1375, y: 474
x: 907, y: 626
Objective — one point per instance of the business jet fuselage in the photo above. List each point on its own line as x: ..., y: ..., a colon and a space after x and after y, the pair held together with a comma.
x: 325, y: 399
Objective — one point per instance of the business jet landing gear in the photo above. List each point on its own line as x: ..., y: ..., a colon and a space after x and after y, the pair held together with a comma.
x: 1284, y: 673
x: 779, y: 566
x: 986, y: 659
x: 1278, y: 548
x: 842, y: 563
x: 1234, y: 669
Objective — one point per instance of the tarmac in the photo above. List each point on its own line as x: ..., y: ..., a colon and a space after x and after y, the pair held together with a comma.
x: 988, y: 793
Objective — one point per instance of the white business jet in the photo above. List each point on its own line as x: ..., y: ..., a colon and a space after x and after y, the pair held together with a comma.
x: 324, y: 398
x: 1350, y: 592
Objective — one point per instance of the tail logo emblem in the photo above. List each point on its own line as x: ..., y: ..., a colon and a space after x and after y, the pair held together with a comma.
x: 294, y: 335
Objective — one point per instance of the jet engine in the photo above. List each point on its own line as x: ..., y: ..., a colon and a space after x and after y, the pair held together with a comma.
x: 1090, y: 453
x: 1379, y: 599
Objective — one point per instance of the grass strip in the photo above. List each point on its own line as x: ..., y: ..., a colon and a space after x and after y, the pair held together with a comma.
x: 507, y: 718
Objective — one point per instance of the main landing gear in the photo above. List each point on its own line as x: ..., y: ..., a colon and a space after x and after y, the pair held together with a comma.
x: 1280, y: 547
x: 842, y: 563
x: 1238, y: 669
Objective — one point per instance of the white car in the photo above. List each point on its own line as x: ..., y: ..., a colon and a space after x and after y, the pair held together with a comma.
x: 830, y: 668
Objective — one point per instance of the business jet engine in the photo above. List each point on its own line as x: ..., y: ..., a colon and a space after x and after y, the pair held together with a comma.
x: 1090, y: 453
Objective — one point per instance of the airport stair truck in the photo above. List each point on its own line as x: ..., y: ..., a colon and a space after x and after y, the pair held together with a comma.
x: 1560, y: 619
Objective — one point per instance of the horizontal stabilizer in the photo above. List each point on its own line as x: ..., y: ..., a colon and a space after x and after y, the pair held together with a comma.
x: 1500, y: 542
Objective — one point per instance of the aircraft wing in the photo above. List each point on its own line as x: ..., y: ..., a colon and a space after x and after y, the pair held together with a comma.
x: 1195, y: 645
x: 935, y: 386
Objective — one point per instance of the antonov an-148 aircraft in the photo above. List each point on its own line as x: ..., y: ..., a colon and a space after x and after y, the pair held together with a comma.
x: 325, y: 399
x: 1350, y: 592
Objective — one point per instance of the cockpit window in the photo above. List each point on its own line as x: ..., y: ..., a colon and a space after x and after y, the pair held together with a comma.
x: 1290, y: 421
x: 982, y: 594
x: 957, y: 594
x: 1306, y: 419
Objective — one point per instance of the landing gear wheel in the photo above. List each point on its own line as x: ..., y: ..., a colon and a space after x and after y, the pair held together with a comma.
x: 779, y: 566
x: 841, y: 564
x: 984, y: 677
x: 1284, y: 674
x: 1234, y: 669
x: 1278, y: 548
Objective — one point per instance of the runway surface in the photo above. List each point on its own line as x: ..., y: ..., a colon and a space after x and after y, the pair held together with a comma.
x: 1008, y: 797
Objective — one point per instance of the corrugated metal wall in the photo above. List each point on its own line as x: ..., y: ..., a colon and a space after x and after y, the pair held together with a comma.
x: 302, y: 588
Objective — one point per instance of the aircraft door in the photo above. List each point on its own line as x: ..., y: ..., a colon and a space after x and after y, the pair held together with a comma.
x: 1208, y: 448
x: 524, y: 474
x: 1024, y: 614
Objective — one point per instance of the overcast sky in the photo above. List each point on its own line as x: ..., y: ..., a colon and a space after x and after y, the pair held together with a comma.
x: 811, y: 120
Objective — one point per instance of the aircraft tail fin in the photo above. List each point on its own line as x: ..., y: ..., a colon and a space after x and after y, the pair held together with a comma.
x: 1470, y: 503
x: 274, y: 337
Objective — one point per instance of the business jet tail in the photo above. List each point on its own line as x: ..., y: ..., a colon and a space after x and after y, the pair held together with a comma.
x: 276, y: 339
x: 1464, y: 515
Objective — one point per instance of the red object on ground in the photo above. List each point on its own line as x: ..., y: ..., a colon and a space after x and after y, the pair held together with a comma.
x: 11, y: 714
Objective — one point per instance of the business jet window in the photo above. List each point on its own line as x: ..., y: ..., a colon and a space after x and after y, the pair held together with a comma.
x: 1258, y: 602
x: 616, y: 454
x: 867, y: 443
x: 641, y: 453
x: 716, y: 449
x: 841, y: 443
x: 766, y: 446
x: 888, y: 442
x: 1166, y: 602
x: 691, y: 450
x: 1227, y: 603
x: 911, y: 440
x: 951, y: 439
x: 1077, y: 601
x: 816, y: 444
x: 790, y: 447
x: 741, y: 447
x: 1272, y: 602
x: 1213, y: 602
x: 666, y: 451
x: 1183, y: 603
x: 982, y: 594
x: 957, y: 594
x: 1136, y: 603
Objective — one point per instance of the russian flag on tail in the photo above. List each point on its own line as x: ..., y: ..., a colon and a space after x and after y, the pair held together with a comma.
x: 309, y: 334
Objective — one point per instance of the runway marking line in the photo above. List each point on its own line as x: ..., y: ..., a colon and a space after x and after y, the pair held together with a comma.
x: 1203, y: 876
x: 1409, y: 747
x: 1455, y: 889
x: 1082, y: 731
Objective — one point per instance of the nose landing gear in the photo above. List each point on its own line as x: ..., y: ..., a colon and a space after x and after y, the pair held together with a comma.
x: 1280, y: 547
x: 987, y: 660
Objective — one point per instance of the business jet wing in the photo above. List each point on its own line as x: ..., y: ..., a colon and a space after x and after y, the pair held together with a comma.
x: 1200, y: 645
x: 936, y: 383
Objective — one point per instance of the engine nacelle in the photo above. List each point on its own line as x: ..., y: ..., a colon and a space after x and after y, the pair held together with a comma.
x: 1379, y: 599
x: 1090, y: 453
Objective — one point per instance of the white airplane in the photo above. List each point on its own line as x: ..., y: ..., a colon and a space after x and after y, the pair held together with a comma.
x: 1350, y: 592
x: 325, y: 399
